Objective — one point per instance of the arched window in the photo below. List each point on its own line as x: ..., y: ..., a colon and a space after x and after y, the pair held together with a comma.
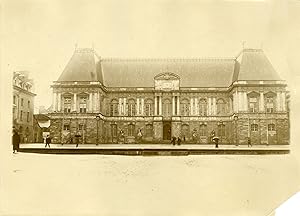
x: 131, y: 130
x: 131, y: 107
x: 221, y: 107
x: 167, y: 108
x: 254, y: 127
x: 67, y: 104
x: 114, y: 130
x: 149, y: 130
x: 185, y: 130
x: 203, y: 130
x: 114, y: 107
x: 185, y: 108
x: 202, y: 107
x: 221, y: 129
x: 149, y: 107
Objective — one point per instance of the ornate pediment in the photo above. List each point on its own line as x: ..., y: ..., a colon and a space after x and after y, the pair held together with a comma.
x: 166, y: 82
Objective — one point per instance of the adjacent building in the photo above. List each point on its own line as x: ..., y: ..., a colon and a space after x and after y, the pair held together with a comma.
x: 104, y: 100
x: 23, y: 105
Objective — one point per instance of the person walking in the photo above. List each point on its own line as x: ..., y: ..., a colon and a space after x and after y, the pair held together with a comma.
x: 249, y: 142
x: 48, y: 141
x: 173, y: 141
x: 178, y: 141
x: 16, y: 141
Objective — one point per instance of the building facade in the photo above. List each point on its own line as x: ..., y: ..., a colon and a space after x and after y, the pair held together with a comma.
x: 151, y: 100
x: 23, y: 105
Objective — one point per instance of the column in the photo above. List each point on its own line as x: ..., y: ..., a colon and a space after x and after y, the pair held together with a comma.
x: 196, y: 106
x: 261, y: 102
x: 214, y: 110
x: 90, y: 103
x: 155, y: 105
x: 142, y: 105
x: 120, y: 107
x: 278, y: 101
x: 137, y: 106
x: 178, y: 106
x: 236, y: 102
x: 54, y: 104
x: 283, y: 101
x: 245, y: 101
x: 58, y: 102
x: 75, y: 102
x: 191, y: 107
x: 209, y: 106
x: 160, y: 105
x: 240, y: 101
x: 173, y: 105
x: 97, y: 101
x: 124, y: 107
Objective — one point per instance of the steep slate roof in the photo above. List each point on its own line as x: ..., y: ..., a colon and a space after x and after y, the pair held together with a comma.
x: 251, y: 64
x: 82, y: 67
x: 254, y: 65
x: 192, y: 72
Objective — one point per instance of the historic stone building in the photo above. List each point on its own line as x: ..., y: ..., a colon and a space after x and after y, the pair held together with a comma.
x: 108, y: 100
x: 23, y: 105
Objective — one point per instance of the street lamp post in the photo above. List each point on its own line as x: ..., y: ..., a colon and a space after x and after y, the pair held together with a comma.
x: 97, y: 118
x: 235, y: 117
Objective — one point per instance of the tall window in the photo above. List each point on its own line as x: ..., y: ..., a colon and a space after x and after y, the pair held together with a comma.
x: 203, y: 130
x: 14, y: 100
x: 221, y: 107
x: 28, y: 103
x: 271, y: 127
x: 27, y: 118
x: 167, y: 107
x: 114, y: 108
x: 149, y: 107
x: 254, y: 127
x: 22, y: 101
x: 149, y: 130
x: 114, y: 130
x: 270, y: 104
x: 185, y: 108
x: 131, y: 107
x: 253, y: 102
x: 131, y: 130
x: 67, y: 104
x: 21, y: 116
x: 221, y: 129
x: 82, y: 104
x: 185, y: 130
x: 202, y: 107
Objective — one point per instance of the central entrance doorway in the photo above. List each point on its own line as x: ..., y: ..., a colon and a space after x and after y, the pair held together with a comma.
x: 167, y: 130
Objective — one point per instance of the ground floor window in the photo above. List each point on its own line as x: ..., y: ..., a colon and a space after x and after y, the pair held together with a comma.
x: 66, y: 127
x: 221, y: 130
x: 254, y: 127
x: 131, y: 130
x: 149, y: 130
x: 203, y: 130
x: 271, y: 127
x: 114, y: 130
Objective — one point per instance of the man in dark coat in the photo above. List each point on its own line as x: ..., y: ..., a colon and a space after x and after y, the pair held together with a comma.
x: 178, y: 141
x: 48, y: 141
x: 173, y: 140
x: 16, y: 141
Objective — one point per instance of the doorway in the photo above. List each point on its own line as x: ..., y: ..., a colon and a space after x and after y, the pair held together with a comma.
x: 167, y: 130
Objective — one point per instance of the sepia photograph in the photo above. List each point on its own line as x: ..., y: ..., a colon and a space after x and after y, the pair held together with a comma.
x: 160, y: 107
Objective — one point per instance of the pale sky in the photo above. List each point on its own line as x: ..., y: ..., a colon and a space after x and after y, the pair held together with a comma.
x: 40, y: 35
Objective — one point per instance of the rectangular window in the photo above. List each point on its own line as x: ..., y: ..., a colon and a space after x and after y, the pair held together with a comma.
x: 82, y: 108
x: 131, y: 130
x: 27, y: 116
x: 66, y: 127
x: 22, y: 101
x: 67, y: 104
x: 175, y: 107
x: 203, y: 130
x: 149, y: 130
x: 271, y: 127
x: 114, y: 130
x: 21, y: 116
x: 254, y: 127
x: 221, y: 130
x: 81, y: 126
x: 14, y: 100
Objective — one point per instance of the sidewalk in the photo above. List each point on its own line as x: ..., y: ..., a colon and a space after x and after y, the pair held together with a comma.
x: 153, y: 149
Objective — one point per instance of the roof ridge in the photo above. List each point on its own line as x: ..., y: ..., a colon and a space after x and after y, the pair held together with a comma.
x: 167, y: 59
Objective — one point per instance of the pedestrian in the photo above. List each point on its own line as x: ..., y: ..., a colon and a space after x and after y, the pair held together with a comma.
x: 212, y: 135
x: 140, y: 135
x: 77, y: 136
x: 216, y: 140
x: 173, y: 141
x: 16, y: 141
x: 178, y: 141
x: 48, y: 141
x: 249, y: 142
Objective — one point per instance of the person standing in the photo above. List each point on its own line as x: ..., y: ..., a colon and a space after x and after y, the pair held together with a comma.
x: 173, y: 141
x: 16, y: 141
x: 249, y: 142
x: 48, y: 141
x: 178, y: 141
